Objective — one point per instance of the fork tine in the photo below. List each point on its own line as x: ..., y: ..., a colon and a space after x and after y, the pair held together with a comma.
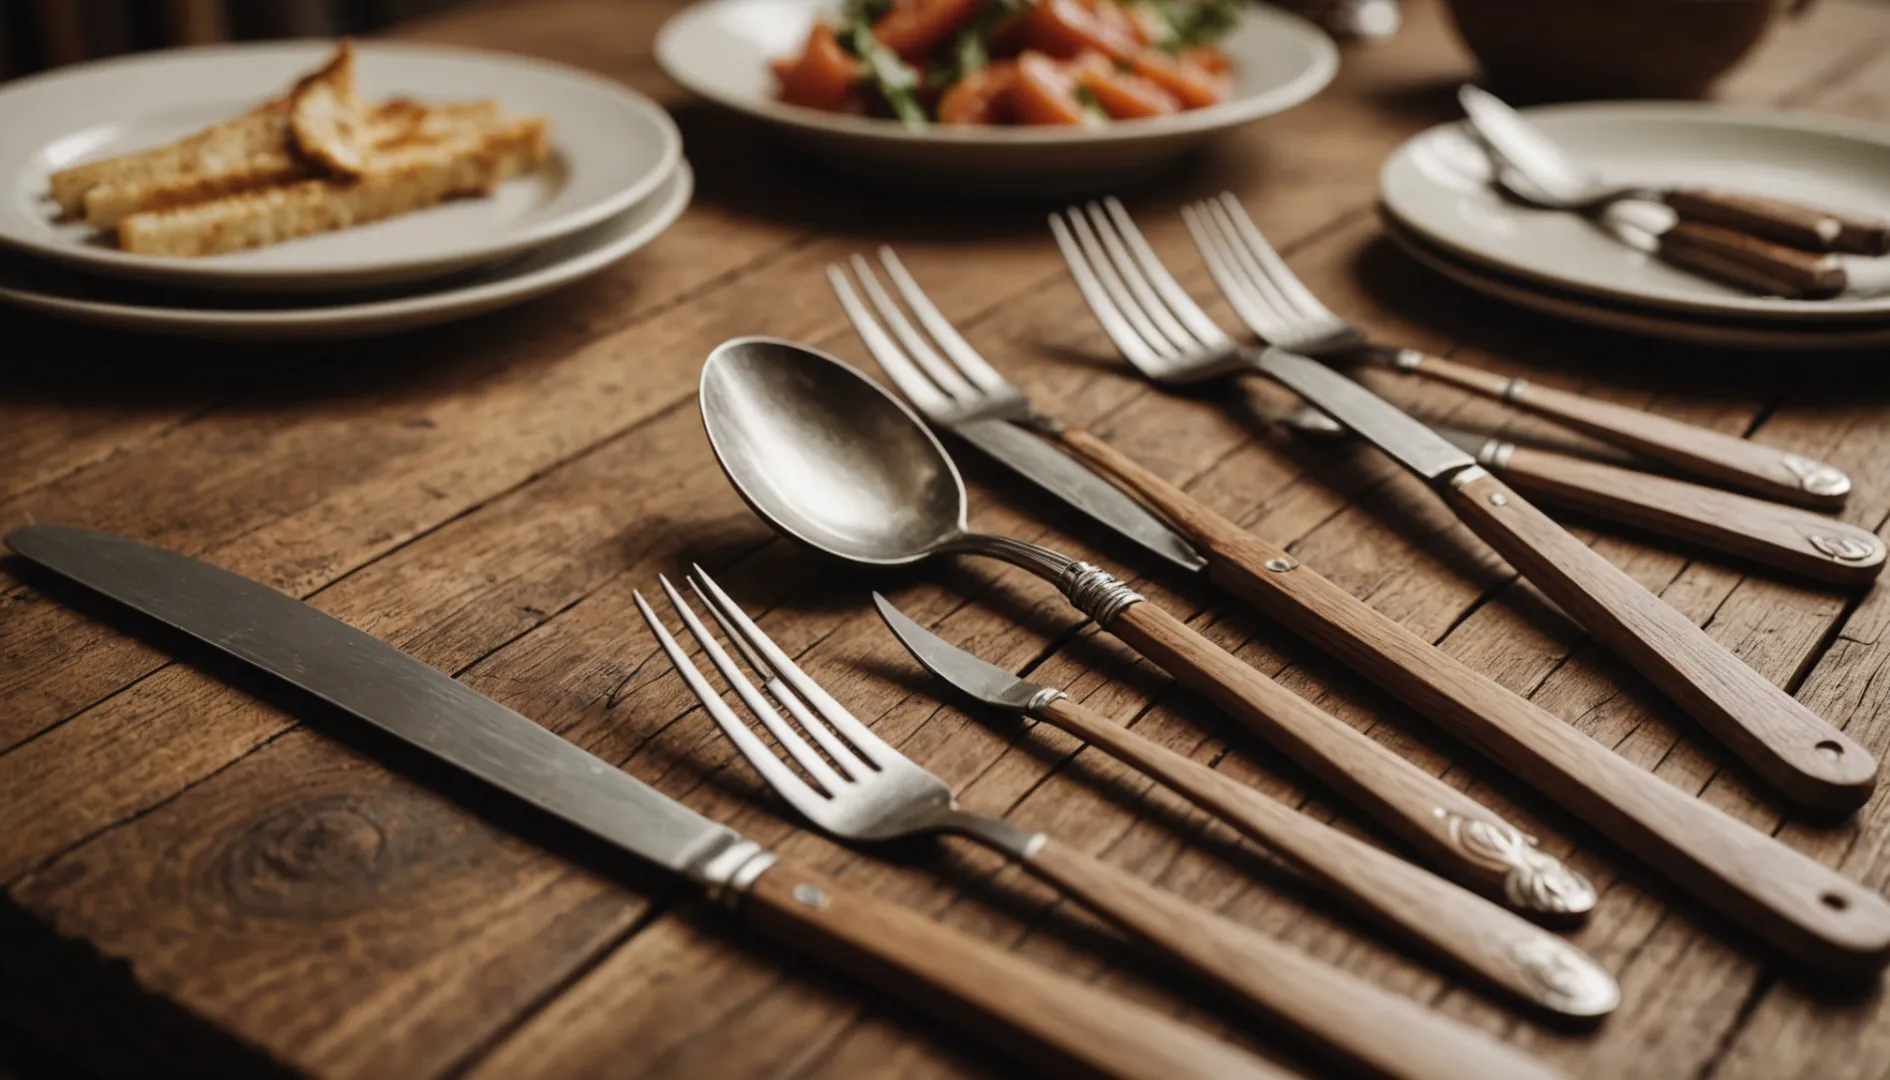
x: 1145, y: 297
x: 941, y: 329
x: 1128, y: 342
x: 842, y: 754
x: 917, y: 388
x: 1171, y: 291
x: 1260, y: 284
x: 778, y: 776
x: 1227, y: 276
x: 1282, y: 276
x: 869, y: 745
x: 918, y: 349
x: 790, y: 740
x: 1112, y: 285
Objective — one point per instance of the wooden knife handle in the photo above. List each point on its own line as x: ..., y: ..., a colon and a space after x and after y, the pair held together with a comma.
x: 1724, y: 459
x: 1465, y: 840
x: 1788, y: 744
x: 1780, y: 537
x: 1057, y: 1024
x: 1385, y: 1033
x: 1798, y: 225
x: 1456, y: 925
x: 1813, y: 914
x: 1752, y: 263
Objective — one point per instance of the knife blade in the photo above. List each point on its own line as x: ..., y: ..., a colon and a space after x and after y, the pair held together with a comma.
x: 1047, y: 1019
x: 1390, y: 428
x: 977, y: 678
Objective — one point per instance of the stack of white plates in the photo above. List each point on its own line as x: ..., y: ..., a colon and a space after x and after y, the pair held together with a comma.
x: 616, y: 179
x: 1441, y: 206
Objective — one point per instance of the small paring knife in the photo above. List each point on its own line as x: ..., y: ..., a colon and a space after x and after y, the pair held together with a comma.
x: 1788, y: 744
x: 1472, y: 933
x: 1055, y: 1024
x: 1778, y: 537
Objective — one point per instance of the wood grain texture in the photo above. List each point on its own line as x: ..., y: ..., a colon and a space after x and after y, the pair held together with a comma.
x: 1772, y: 536
x: 1054, y: 1022
x: 1742, y: 464
x: 1751, y: 262
x: 1788, y: 744
x: 1807, y: 228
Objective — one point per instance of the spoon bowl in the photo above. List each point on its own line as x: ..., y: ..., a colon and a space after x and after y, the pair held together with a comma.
x: 827, y: 456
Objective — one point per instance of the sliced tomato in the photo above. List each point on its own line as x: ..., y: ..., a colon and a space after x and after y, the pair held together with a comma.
x: 1122, y: 95
x: 986, y: 96
x: 824, y: 76
x: 1195, y: 86
x: 1045, y: 93
x: 1065, y: 29
x: 915, y: 28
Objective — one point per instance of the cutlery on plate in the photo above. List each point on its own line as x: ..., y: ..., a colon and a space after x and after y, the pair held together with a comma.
x: 895, y: 454
x: 1280, y: 310
x: 1780, y: 537
x: 876, y: 488
x: 1557, y: 182
x: 1057, y: 1023
x: 1456, y: 924
x: 1796, y: 750
x: 864, y: 790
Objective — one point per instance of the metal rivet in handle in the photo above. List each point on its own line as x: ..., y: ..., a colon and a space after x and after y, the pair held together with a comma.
x: 1280, y: 566
x: 810, y: 895
x: 1497, y: 498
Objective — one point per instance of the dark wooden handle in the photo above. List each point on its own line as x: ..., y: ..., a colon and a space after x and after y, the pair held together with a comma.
x: 1344, y: 1015
x: 1780, y: 537
x: 1788, y: 744
x: 1723, y: 459
x: 1456, y: 925
x: 1752, y: 263
x: 1810, y: 228
x: 1805, y: 909
x: 1057, y: 1024
x: 1465, y: 840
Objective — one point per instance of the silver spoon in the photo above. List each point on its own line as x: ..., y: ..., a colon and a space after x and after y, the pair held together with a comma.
x: 824, y: 455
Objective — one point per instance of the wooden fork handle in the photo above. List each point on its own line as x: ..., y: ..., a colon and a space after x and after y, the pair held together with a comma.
x: 1390, y: 1035
x: 1459, y: 926
x: 1800, y: 906
x: 1798, y: 225
x: 1056, y: 1024
x: 1788, y: 744
x: 1723, y: 459
x: 1781, y: 537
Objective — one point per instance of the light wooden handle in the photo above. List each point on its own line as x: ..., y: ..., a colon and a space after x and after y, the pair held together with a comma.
x: 1809, y: 228
x: 1800, y: 906
x: 1780, y: 537
x: 1723, y: 459
x: 1788, y: 744
x: 1388, y: 1034
x: 1056, y: 1024
x: 1465, y: 840
x: 1459, y: 926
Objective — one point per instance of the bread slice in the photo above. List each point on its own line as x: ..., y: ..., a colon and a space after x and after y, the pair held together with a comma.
x: 408, y: 175
x: 255, y: 132
x: 327, y: 121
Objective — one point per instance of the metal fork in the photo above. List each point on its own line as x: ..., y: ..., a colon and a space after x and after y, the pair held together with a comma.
x: 955, y: 388
x: 1280, y: 310
x: 859, y: 788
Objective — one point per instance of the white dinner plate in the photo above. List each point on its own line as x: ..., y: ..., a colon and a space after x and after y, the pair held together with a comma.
x: 1439, y: 185
x: 1645, y: 322
x: 252, y: 317
x: 610, y: 148
x: 719, y: 49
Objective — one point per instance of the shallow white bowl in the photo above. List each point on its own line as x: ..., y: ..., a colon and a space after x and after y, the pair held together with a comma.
x: 719, y: 49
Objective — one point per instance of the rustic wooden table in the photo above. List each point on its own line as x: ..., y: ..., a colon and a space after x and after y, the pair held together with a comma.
x: 205, y: 873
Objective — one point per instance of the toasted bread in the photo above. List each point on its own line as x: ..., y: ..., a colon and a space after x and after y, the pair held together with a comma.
x: 255, y: 132
x: 415, y: 174
x: 329, y: 126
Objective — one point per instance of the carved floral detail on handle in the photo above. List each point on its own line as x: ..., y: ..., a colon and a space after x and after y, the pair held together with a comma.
x: 1566, y: 979
x: 1535, y: 880
x: 1845, y: 548
x: 1815, y: 476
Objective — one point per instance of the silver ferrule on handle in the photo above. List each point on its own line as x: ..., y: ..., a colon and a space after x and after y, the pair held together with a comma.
x: 1091, y: 590
x: 728, y: 869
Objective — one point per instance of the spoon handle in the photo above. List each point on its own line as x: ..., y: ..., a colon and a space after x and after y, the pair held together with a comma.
x: 1810, y: 228
x: 1723, y: 459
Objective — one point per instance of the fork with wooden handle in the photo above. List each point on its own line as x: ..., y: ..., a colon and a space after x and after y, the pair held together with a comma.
x: 863, y: 790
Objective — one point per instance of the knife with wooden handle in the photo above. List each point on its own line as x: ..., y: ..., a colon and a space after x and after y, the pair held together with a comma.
x: 1792, y: 747
x: 1811, y: 228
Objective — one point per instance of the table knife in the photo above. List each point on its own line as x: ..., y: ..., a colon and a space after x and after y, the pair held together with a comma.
x: 1462, y: 928
x: 1779, y: 537
x: 1810, y: 912
x: 1788, y: 744
x: 1056, y: 1023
